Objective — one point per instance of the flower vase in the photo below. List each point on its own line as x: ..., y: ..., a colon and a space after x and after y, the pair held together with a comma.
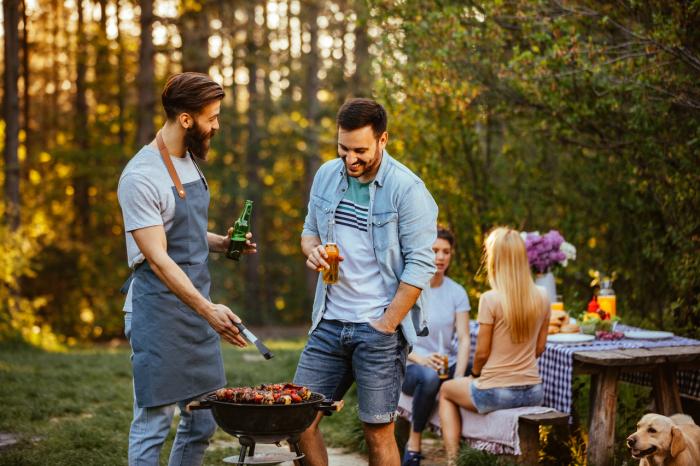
x: 546, y: 281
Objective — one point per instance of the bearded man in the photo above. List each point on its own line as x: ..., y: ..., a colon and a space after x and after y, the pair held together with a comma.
x: 383, y: 220
x: 173, y: 327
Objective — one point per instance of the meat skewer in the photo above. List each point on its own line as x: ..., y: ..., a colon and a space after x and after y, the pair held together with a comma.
x: 265, y: 394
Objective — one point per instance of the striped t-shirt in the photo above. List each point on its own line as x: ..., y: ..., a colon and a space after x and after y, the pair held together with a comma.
x: 360, y: 294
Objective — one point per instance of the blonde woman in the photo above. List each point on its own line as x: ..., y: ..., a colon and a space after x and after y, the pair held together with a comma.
x: 513, y: 318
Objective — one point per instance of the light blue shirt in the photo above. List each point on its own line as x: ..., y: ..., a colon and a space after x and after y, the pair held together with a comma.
x: 403, y: 219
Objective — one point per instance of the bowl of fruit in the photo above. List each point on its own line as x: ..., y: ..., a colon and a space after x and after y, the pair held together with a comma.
x: 600, y: 324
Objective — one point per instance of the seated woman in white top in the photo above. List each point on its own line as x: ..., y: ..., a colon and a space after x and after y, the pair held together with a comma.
x: 447, y: 313
x: 513, y: 322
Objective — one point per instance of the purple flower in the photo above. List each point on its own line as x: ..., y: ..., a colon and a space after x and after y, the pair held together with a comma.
x: 544, y: 251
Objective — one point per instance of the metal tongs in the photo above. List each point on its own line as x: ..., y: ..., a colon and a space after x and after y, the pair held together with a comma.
x: 264, y: 350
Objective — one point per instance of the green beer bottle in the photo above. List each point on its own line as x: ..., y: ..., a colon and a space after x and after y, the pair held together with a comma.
x: 240, y: 228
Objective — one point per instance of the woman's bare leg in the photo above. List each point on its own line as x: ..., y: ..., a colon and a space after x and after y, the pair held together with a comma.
x: 453, y: 394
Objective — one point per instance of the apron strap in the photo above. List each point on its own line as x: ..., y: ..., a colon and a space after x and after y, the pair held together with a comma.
x: 169, y: 165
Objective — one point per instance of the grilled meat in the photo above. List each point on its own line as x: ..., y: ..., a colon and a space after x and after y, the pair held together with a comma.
x: 265, y: 394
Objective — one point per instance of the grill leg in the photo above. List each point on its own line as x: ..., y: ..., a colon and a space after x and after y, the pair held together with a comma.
x: 241, y: 457
x: 295, y: 445
x: 247, y: 448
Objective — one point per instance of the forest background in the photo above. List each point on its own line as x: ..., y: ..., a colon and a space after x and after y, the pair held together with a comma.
x: 581, y: 116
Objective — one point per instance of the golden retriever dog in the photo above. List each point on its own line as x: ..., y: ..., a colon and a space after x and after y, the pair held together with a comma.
x: 667, y: 441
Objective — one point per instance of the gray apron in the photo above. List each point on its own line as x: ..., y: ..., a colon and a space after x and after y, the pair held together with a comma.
x: 176, y: 354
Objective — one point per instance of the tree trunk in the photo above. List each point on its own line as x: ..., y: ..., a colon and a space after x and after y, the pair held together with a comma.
x: 194, y: 32
x: 104, y: 75
x: 121, y: 93
x: 26, y: 108
x: 267, y: 292
x: 289, y: 55
x: 50, y: 120
x: 253, y: 157
x: 312, y: 161
x: 360, y: 84
x: 341, y: 63
x: 265, y: 58
x: 146, y: 88
x: 10, y: 110
x: 81, y: 199
x: 228, y: 17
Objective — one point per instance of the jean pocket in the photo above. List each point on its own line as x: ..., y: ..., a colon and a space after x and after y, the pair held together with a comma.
x: 371, y: 328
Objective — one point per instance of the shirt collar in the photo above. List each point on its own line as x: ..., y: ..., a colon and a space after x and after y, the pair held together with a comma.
x: 383, y: 168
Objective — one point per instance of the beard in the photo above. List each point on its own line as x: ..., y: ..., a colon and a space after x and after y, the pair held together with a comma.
x: 197, y: 141
x: 364, y: 166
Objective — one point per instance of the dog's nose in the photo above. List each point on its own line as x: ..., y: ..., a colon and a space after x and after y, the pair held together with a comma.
x: 631, y: 440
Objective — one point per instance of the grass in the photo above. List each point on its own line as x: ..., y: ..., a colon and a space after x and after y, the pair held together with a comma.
x: 74, y: 408
x: 66, y: 408
x: 472, y: 457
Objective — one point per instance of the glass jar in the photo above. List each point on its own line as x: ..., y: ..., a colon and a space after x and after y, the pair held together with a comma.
x: 606, y: 298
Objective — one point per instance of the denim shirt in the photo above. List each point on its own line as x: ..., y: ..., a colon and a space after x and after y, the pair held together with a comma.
x: 403, y: 219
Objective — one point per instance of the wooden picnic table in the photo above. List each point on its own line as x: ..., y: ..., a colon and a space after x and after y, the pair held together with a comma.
x: 605, y: 368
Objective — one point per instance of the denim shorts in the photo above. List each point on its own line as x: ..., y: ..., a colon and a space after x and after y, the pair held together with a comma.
x: 340, y: 353
x: 490, y: 399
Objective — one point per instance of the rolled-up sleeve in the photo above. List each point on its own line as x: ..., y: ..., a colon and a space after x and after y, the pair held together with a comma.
x: 417, y: 233
x: 310, y: 226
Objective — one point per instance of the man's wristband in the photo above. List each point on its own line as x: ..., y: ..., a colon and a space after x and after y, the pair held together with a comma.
x: 475, y: 376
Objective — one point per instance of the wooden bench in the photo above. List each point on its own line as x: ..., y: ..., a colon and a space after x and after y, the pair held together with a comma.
x: 528, y: 431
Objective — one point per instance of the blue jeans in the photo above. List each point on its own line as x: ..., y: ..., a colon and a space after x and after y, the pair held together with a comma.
x: 423, y: 384
x: 491, y: 399
x: 340, y: 353
x: 151, y: 426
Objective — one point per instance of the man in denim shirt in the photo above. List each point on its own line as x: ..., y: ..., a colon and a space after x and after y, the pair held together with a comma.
x: 384, y: 221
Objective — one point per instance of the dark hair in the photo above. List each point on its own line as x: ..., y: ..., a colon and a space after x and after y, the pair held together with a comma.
x: 446, y: 234
x: 358, y: 113
x: 189, y: 93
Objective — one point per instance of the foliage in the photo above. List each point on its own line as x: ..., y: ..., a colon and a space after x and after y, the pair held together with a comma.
x: 18, y: 314
x: 580, y: 116
x: 71, y: 159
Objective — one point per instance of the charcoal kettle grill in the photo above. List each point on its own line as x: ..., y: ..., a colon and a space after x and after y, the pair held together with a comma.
x: 255, y: 424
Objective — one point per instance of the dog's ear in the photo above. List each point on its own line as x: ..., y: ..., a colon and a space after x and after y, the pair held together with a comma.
x: 677, y: 441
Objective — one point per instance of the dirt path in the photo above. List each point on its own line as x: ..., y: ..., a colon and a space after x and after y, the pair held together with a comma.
x: 432, y: 450
x: 336, y: 456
